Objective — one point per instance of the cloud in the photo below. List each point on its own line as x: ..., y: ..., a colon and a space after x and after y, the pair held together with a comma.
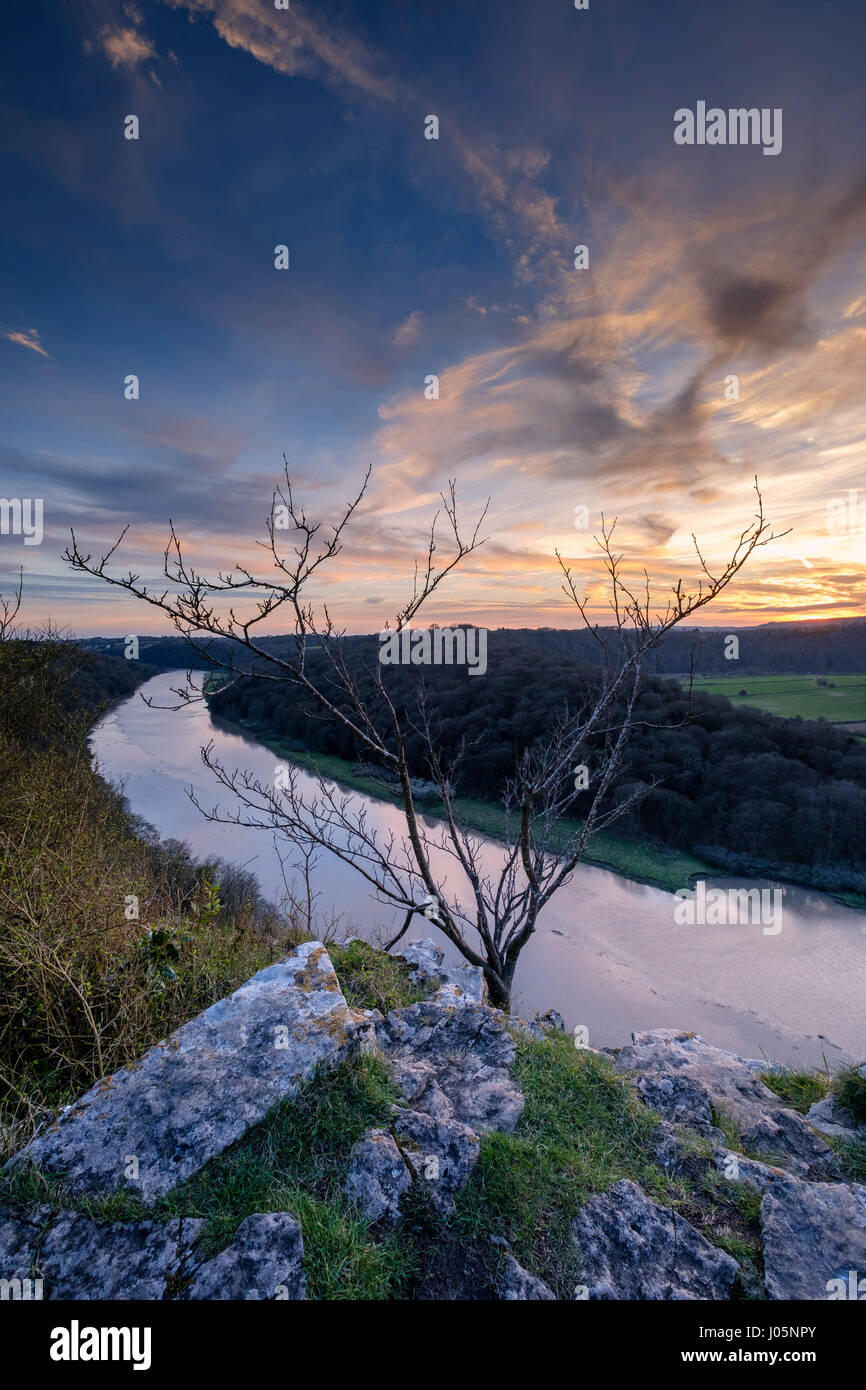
x: 124, y: 47
x: 409, y: 331
x: 29, y: 339
x: 294, y: 43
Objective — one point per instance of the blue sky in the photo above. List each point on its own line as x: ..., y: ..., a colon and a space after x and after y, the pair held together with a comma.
x: 558, y: 387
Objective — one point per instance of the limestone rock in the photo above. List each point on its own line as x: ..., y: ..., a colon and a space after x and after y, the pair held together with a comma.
x: 632, y: 1248
x: 677, y: 1099
x: 82, y: 1259
x: 262, y: 1262
x: 666, y: 1147
x: 471, y: 1053
x: 733, y: 1084
x: 826, y: 1116
x: 812, y: 1233
x: 417, y: 1084
x: 19, y: 1240
x: 456, y: 984
x: 516, y: 1283
x: 437, y: 1153
x: 377, y: 1177
x: 201, y: 1089
x: 738, y: 1168
x: 440, y: 1153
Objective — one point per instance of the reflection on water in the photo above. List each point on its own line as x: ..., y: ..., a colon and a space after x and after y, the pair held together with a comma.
x: 607, y: 952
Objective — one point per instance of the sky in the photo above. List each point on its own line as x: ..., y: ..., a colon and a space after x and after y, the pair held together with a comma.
x: 717, y: 332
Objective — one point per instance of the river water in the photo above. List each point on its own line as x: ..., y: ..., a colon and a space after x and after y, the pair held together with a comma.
x: 607, y: 953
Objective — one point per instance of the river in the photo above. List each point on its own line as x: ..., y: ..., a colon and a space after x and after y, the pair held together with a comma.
x: 607, y: 953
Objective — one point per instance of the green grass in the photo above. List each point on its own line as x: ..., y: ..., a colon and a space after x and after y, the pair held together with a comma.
x: 852, y: 1154
x: 850, y: 1089
x: 636, y: 859
x: 581, y: 1131
x: 799, y: 1089
x: 841, y: 700
x: 370, y: 979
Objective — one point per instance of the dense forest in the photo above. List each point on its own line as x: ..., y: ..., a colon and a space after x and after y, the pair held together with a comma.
x: 744, y: 789
x: 816, y: 648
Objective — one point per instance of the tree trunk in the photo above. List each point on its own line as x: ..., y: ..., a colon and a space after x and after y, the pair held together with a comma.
x: 498, y: 993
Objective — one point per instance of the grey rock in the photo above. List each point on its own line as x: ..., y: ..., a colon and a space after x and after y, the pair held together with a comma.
x: 417, y: 1084
x: 733, y: 1085
x: 465, y: 985
x: 439, y: 1153
x: 667, y: 1148
x: 19, y: 1239
x: 632, y: 1248
x: 516, y: 1283
x: 264, y: 1261
x: 783, y: 1135
x: 471, y: 1053
x: 426, y: 960
x: 738, y: 1168
x: 377, y: 1177
x: 456, y: 984
x: 551, y: 1021
x: 84, y: 1259
x: 201, y: 1089
x: 677, y: 1099
x: 826, y: 1117
x: 541, y: 1026
x: 812, y: 1233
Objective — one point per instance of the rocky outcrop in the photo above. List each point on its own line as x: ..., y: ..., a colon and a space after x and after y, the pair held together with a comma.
x: 451, y: 1064
x: 264, y: 1261
x: 632, y: 1248
x: 81, y: 1259
x: 450, y: 1058
x: 454, y: 984
x: 813, y: 1225
x: 813, y: 1234
x: 470, y: 1053
x: 152, y: 1125
x: 517, y: 1284
x: 827, y: 1116
x: 684, y: 1074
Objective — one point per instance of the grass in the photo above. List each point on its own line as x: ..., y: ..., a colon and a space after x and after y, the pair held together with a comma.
x: 581, y: 1131
x: 370, y: 979
x: 841, y: 700
x: 800, y: 1090
x: 85, y: 989
x: 636, y: 859
x: 850, y: 1091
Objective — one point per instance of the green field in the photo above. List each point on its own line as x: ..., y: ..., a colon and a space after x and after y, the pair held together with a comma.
x: 842, y: 700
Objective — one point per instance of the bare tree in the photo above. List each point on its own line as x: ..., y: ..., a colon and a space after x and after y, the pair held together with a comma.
x: 488, y: 916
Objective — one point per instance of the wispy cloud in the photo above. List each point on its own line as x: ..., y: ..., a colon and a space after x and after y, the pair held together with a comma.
x: 409, y: 330
x: 293, y: 42
x: 28, y: 338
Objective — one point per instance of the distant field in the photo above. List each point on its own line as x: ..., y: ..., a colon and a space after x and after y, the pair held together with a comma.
x: 841, y: 701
